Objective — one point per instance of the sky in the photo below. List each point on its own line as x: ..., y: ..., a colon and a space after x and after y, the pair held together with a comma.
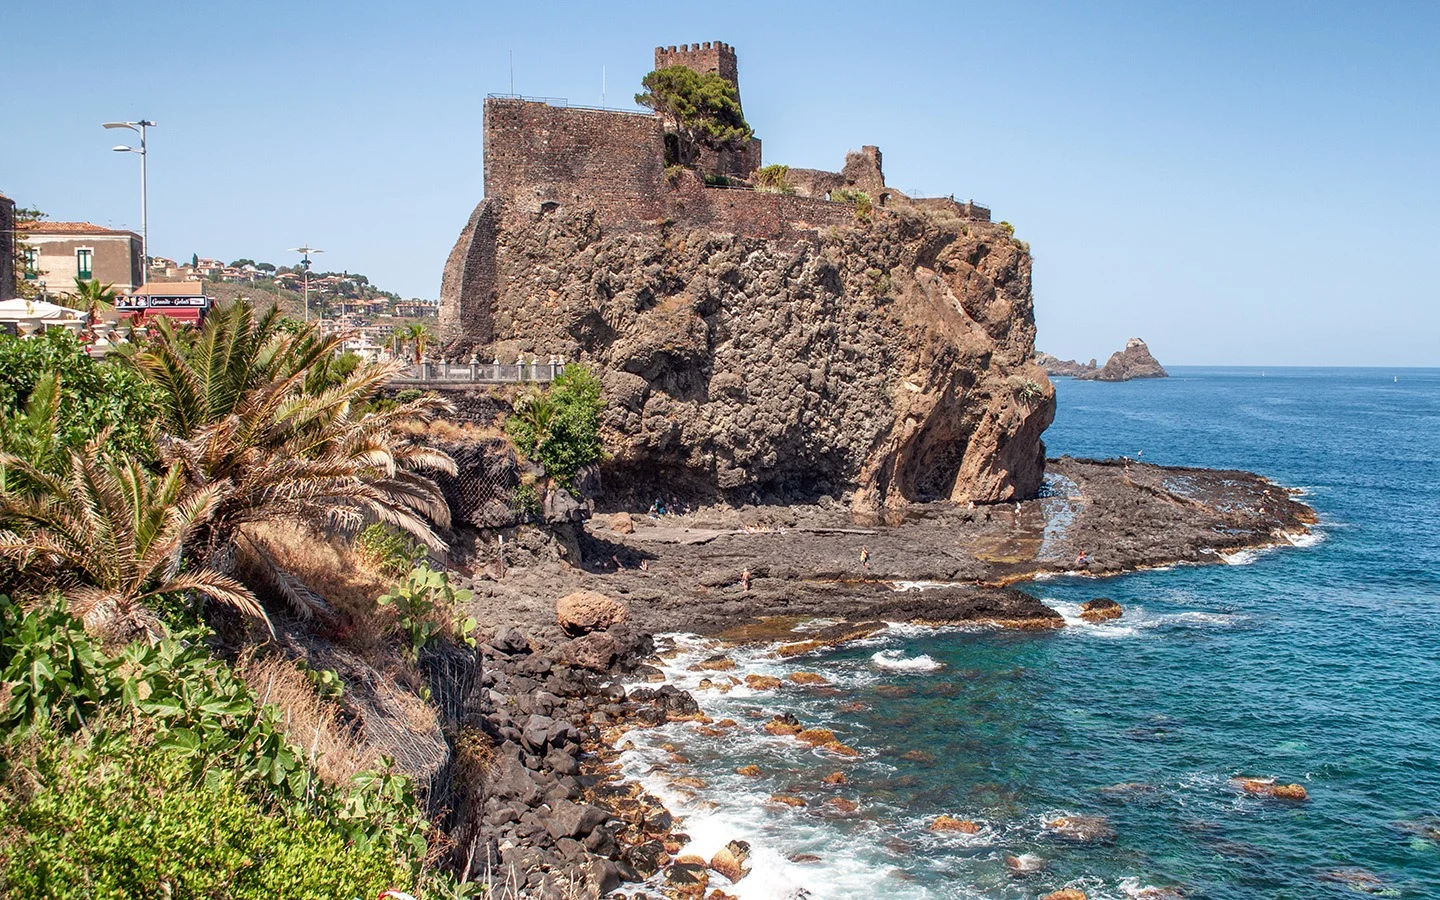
x: 1238, y: 183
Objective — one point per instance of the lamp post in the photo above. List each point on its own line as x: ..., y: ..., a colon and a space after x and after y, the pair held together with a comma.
x: 305, y: 267
x: 140, y: 127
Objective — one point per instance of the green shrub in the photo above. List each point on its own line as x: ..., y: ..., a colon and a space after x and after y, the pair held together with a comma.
x: 1009, y: 229
x: 390, y: 552
x: 717, y: 180
x: 773, y: 178
x: 95, y: 395
x: 856, y: 198
x: 673, y: 174
x: 425, y: 608
x: 408, y: 395
x: 560, y: 428
x: 880, y: 283
x: 116, y: 816
x: 195, y: 710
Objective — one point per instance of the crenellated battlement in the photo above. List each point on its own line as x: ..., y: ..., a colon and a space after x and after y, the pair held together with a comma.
x: 711, y: 56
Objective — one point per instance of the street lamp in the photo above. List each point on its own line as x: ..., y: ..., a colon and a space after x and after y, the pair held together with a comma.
x: 305, y: 266
x: 140, y: 127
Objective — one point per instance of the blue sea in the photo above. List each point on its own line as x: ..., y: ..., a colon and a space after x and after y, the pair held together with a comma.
x: 1317, y: 664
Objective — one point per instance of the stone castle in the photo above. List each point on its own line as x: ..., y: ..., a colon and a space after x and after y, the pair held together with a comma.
x: 753, y: 345
x: 541, y: 159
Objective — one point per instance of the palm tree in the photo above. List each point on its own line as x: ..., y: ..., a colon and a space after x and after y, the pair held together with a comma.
x: 417, y: 334
x: 92, y: 296
x: 111, y: 537
x: 284, y: 434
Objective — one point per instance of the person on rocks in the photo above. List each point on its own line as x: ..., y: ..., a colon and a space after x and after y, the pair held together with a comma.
x: 745, y: 580
x: 865, y: 557
x: 1083, y: 560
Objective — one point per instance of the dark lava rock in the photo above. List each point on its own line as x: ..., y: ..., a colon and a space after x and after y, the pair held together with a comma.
x: 568, y: 819
x: 510, y: 640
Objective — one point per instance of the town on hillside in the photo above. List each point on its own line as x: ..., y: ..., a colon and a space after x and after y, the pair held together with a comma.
x: 98, y: 282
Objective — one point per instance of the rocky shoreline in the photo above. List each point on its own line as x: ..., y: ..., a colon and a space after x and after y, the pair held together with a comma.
x: 563, y: 682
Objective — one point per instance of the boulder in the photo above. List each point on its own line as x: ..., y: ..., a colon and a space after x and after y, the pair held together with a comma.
x: 732, y: 860
x: 816, y: 737
x: 621, y: 523
x: 510, y: 641
x: 808, y: 678
x: 762, y: 682
x: 948, y: 823
x: 1266, y: 787
x: 844, y: 805
x: 1083, y: 829
x: 595, y: 651
x: 585, y: 611
x: 787, y: 800
x: 1025, y: 863
x: 1101, y: 609
x: 568, y: 819
x: 1065, y: 894
x: 836, y: 778
x: 751, y: 771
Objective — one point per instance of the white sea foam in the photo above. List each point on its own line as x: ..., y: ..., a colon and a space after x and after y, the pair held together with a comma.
x: 1310, y: 538
x: 1240, y: 557
x: 897, y: 661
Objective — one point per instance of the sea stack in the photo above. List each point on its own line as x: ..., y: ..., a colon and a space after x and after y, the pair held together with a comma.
x: 1134, y: 361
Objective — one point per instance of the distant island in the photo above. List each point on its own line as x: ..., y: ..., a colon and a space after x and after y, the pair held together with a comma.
x: 1134, y: 361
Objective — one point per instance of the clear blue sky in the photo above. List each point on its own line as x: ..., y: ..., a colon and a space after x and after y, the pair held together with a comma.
x: 1238, y: 183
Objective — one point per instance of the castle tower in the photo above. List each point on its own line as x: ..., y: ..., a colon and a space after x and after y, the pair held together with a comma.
x: 717, y: 57
x: 711, y: 56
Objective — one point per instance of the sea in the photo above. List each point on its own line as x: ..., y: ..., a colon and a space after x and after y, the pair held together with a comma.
x: 1316, y: 663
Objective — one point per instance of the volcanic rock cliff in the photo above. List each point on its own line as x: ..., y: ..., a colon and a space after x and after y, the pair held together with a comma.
x: 826, y: 336
x: 891, y: 359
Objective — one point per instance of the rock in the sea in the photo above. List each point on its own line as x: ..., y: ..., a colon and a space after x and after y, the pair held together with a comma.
x: 1064, y: 368
x: 688, y: 872
x: 843, y: 805
x: 621, y: 523
x: 1101, y: 609
x: 750, y: 771
x: 585, y: 611
x: 808, y: 678
x: 762, y: 682
x: 816, y: 737
x: 787, y: 800
x: 1065, y: 894
x: 1083, y: 829
x: 1134, y: 361
x: 732, y: 860
x: 1025, y: 863
x: 1266, y: 787
x: 948, y: 823
x: 835, y: 778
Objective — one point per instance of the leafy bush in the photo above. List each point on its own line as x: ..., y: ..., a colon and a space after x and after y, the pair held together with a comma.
x: 673, y: 174
x: 879, y: 282
x: 94, y: 395
x: 774, y: 178
x: 560, y: 429
x: 717, y: 181
x: 1009, y: 229
x: 388, y: 551
x: 856, y: 198
x: 197, y: 712
x: 424, y: 605
x: 114, y: 816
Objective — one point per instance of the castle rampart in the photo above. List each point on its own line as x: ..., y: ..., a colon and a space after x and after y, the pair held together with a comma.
x: 542, y: 158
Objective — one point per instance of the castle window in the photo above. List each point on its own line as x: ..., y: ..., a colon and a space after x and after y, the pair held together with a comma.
x: 83, y: 260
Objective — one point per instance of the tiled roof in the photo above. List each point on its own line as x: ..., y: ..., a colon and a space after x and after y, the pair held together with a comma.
x: 67, y: 228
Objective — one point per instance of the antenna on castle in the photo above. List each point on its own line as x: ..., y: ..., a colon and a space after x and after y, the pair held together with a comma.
x: 512, y: 71
x: 602, y: 87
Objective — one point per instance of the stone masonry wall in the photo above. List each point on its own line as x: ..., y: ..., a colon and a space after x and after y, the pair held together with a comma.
x: 539, y: 158
x: 469, y: 283
x: 7, y: 248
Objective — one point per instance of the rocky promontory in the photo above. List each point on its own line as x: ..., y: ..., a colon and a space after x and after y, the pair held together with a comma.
x: 1134, y: 361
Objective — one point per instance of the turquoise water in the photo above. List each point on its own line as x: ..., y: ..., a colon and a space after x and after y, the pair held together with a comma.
x: 1317, y: 664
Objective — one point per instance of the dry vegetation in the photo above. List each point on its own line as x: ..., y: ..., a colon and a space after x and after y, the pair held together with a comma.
x: 309, y: 721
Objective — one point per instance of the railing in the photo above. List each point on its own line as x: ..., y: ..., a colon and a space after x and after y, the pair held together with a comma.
x: 562, y: 103
x: 443, y: 371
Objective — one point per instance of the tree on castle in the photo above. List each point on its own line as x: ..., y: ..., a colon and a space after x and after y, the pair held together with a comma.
x: 702, y: 108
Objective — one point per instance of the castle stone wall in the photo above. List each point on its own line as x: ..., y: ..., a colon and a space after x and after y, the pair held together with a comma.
x: 540, y: 157
x: 7, y: 247
x: 969, y: 210
x: 469, y: 285
x: 758, y: 214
